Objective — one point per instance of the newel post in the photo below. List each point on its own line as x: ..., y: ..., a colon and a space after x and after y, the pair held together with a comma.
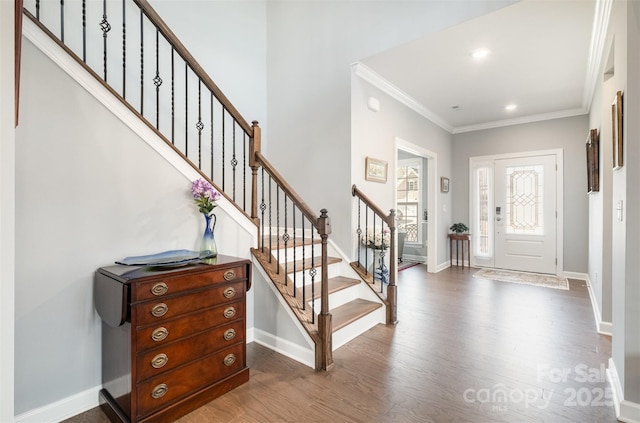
x: 254, y: 147
x: 392, y: 309
x: 324, y: 354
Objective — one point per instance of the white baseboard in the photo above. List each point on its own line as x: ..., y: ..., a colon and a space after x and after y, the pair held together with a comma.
x: 603, y: 328
x: 443, y: 266
x: 626, y: 411
x: 284, y: 347
x: 63, y: 409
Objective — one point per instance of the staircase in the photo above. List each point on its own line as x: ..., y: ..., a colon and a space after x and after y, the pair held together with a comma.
x: 333, y: 299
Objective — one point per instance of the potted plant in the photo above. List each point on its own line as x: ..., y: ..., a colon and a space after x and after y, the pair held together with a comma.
x: 459, y: 228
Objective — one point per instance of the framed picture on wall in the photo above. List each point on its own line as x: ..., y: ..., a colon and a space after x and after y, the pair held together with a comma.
x: 444, y: 184
x: 616, y: 130
x: 376, y: 170
x: 593, y: 159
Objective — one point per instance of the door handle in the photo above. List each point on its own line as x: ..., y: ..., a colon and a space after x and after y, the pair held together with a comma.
x: 498, y: 219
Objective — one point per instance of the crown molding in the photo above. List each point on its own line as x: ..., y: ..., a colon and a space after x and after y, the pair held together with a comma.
x: 521, y: 120
x: 367, y: 74
x: 596, y: 49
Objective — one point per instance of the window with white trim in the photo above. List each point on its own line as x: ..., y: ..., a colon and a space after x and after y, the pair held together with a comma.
x: 409, y: 204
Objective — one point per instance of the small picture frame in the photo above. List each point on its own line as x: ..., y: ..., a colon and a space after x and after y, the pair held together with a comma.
x: 593, y: 159
x: 616, y: 130
x: 375, y: 170
x: 444, y: 184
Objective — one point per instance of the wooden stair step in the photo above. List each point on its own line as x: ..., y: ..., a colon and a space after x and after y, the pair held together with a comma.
x: 336, y: 284
x: 305, y: 264
x: 352, y: 311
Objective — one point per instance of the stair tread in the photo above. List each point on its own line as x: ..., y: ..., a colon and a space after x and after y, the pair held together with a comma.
x: 336, y: 284
x: 352, y: 311
x: 305, y: 264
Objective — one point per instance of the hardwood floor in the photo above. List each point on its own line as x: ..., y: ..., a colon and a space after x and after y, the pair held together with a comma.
x: 464, y: 350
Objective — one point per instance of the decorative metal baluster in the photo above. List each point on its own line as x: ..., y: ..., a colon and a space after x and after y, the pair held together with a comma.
x: 211, y: 118
x: 263, y: 207
x: 285, y: 238
x: 234, y: 163
x: 293, y: 216
x: 186, y: 109
x: 84, y: 31
x: 141, y: 63
x: 373, y: 247
x: 304, y: 276
x: 38, y: 10
x: 278, y: 228
x: 105, y: 27
x: 173, y: 98
x: 157, y: 81
x: 359, y: 232
x: 366, y: 240
x: 124, y: 49
x: 270, y: 224
x: 62, y: 21
x: 244, y: 173
x: 312, y: 273
x: 199, y: 125
x: 223, y: 155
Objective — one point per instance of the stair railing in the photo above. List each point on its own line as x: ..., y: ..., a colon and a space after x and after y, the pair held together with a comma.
x: 376, y: 233
x: 126, y: 46
x: 288, y: 224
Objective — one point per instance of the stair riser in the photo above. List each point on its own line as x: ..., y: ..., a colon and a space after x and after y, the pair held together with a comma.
x: 332, y: 272
x: 298, y: 252
x: 336, y: 299
x: 358, y: 327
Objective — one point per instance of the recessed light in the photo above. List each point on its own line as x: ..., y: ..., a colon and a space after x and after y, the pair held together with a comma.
x: 510, y: 107
x: 480, y: 53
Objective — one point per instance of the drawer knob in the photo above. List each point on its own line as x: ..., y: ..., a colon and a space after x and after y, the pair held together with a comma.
x: 159, y: 361
x: 159, y: 334
x: 230, y: 292
x: 229, y: 312
x: 160, y: 288
x: 229, y: 334
x: 229, y: 275
x: 159, y: 391
x: 229, y: 359
x: 159, y: 310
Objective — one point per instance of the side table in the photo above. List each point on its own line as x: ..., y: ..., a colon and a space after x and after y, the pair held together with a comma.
x: 460, y: 240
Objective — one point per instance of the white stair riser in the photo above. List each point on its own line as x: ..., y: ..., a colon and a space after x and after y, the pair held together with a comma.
x: 338, y: 298
x: 298, y: 252
x: 333, y: 271
x: 358, y: 327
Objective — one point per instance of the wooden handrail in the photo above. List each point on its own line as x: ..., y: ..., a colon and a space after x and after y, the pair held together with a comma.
x: 295, y: 198
x: 377, y: 210
x: 192, y: 62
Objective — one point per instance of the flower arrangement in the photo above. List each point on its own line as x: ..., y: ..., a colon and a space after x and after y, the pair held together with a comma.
x: 205, y: 195
x: 380, y: 240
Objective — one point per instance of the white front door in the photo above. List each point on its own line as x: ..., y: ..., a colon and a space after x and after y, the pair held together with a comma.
x: 525, y: 212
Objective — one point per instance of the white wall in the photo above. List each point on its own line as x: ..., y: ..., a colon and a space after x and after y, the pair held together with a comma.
x: 373, y: 134
x: 7, y: 211
x: 311, y: 46
x: 569, y: 134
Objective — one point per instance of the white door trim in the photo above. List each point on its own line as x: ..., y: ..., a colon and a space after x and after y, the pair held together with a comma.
x: 432, y: 198
x: 559, y: 153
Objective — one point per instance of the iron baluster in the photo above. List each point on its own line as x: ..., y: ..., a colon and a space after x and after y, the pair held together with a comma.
x: 244, y: 173
x: 211, y: 119
x: 124, y: 49
x: 141, y: 63
x: 312, y: 273
x: 278, y: 229
x: 263, y: 207
x: 105, y: 27
x: 199, y: 124
x: 270, y: 223
x: 366, y: 240
x: 62, y: 21
x: 234, y: 163
x: 186, y: 109
x: 223, y: 155
x: 84, y: 31
x: 38, y: 10
x: 173, y: 98
x: 293, y: 217
x: 157, y: 81
x: 285, y: 238
x: 359, y: 232
x: 304, y: 278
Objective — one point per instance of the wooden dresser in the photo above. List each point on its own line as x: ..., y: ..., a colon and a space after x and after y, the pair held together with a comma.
x: 172, y: 339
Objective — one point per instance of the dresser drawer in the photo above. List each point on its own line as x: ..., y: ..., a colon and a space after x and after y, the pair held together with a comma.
x: 166, y: 308
x: 152, y: 336
x: 168, y: 286
x: 158, y: 360
x: 163, y: 389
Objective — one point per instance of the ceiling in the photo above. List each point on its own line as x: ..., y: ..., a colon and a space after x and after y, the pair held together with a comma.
x: 539, y: 60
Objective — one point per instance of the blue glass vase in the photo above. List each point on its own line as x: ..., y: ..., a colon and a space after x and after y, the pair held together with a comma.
x: 208, y: 242
x: 381, y: 272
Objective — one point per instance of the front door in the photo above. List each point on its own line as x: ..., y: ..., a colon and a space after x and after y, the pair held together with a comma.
x: 525, y: 214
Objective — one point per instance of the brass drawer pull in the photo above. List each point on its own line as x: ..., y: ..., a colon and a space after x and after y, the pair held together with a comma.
x: 160, y: 334
x: 229, y: 360
x: 159, y: 361
x: 159, y: 310
x: 229, y: 334
x: 230, y: 292
x: 229, y: 275
x: 159, y: 391
x: 229, y: 312
x: 160, y: 288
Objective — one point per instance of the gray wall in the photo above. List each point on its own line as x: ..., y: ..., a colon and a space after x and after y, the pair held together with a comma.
x: 311, y: 46
x: 570, y: 135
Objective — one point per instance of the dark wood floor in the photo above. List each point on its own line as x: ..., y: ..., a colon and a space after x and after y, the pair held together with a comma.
x: 464, y: 350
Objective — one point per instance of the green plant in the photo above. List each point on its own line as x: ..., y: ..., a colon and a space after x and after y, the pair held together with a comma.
x: 458, y: 228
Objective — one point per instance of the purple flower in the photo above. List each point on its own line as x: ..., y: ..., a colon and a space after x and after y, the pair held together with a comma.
x: 204, y: 195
